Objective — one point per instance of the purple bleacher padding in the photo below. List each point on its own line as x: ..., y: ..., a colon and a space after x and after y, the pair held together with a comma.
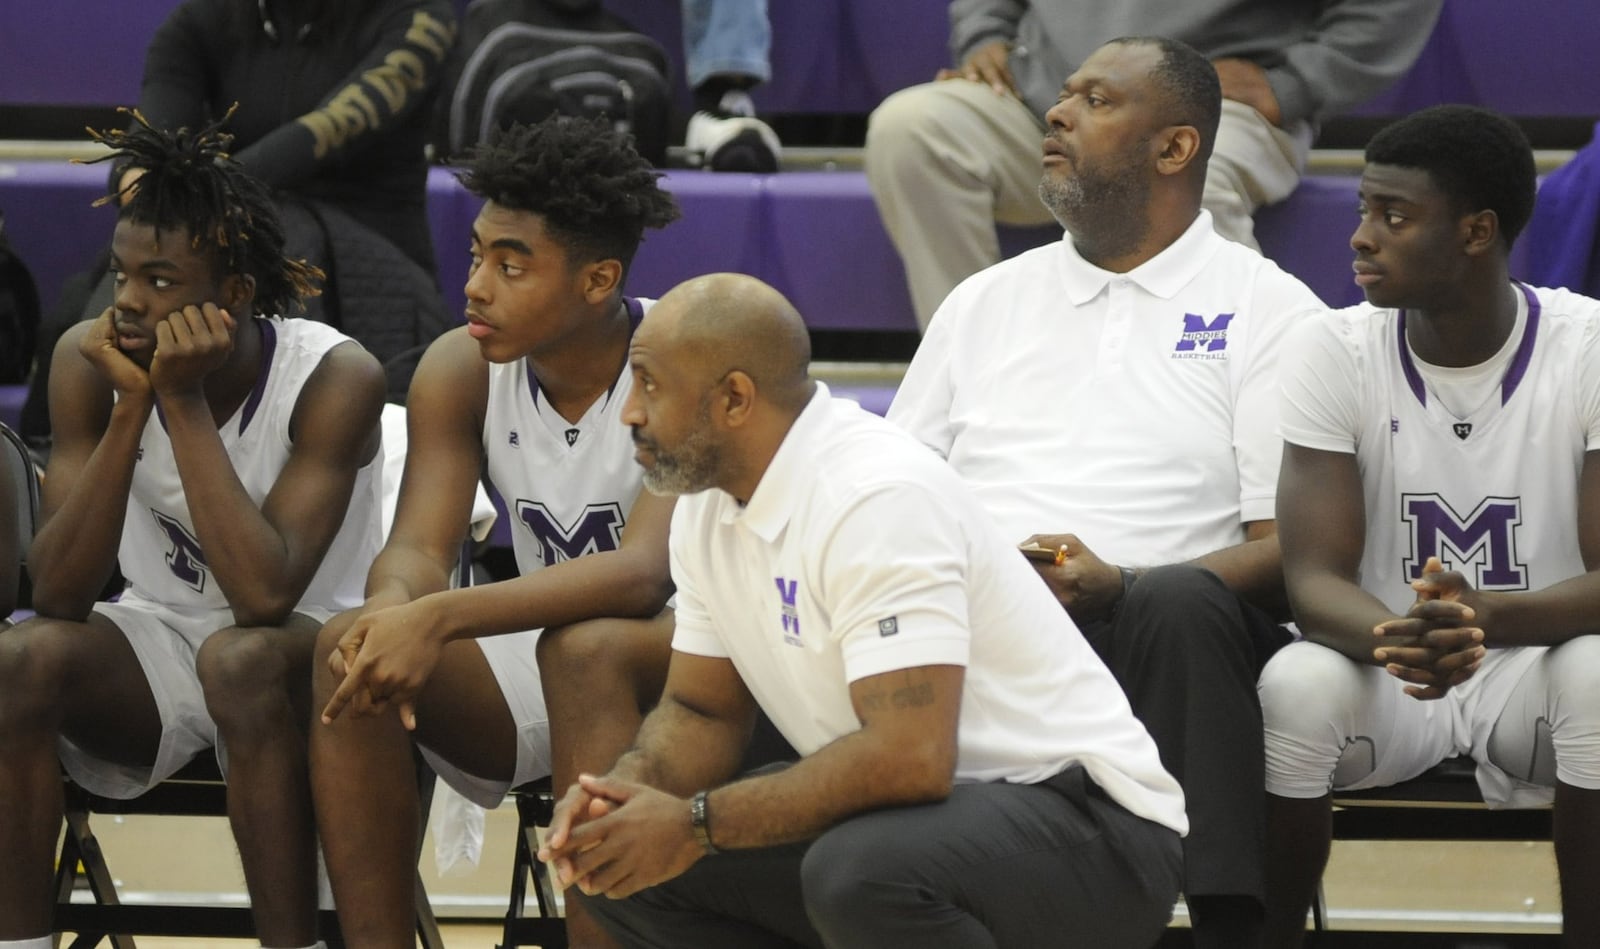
x: 11, y: 399
x: 816, y: 236
x: 50, y: 220
x: 900, y: 44
x: 830, y: 255
x: 722, y: 230
x: 451, y: 211
x: 76, y: 52
x: 1309, y: 235
x: 1531, y: 59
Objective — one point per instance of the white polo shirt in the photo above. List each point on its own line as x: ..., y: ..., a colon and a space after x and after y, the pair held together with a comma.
x: 861, y: 553
x: 1138, y: 410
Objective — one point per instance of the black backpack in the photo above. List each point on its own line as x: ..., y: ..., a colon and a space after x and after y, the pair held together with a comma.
x: 19, y: 314
x: 523, y: 60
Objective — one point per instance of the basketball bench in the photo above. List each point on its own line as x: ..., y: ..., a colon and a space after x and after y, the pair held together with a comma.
x: 1441, y: 804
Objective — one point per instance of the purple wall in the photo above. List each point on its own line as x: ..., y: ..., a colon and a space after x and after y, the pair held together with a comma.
x: 845, y: 56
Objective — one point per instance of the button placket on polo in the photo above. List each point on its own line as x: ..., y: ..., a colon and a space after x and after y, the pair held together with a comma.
x: 1120, y: 300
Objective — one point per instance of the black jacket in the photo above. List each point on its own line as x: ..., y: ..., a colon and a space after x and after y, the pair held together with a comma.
x: 333, y: 112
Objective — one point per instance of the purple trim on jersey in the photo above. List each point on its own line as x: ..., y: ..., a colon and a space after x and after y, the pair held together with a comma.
x: 635, y: 317
x: 269, y: 344
x: 1413, y: 377
x: 1514, y: 372
x: 533, y: 382
x: 1524, y: 353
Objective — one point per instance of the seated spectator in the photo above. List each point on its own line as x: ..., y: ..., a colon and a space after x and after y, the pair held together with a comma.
x: 727, y: 45
x: 964, y: 752
x: 1437, y: 506
x: 330, y: 106
x: 530, y: 391
x: 333, y: 99
x: 227, y: 459
x: 1115, y: 393
x: 948, y: 159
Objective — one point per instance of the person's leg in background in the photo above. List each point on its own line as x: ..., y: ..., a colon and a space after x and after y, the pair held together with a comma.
x: 1254, y: 163
x: 727, y: 45
x: 945, y: 161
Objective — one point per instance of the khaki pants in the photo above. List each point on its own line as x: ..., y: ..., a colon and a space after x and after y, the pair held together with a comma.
x: 947, y: 160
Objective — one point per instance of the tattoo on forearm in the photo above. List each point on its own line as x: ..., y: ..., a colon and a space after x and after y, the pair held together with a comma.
x: 911, y: 696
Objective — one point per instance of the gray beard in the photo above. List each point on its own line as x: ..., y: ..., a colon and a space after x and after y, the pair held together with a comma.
x: 1105, y: 214
x: 689, y: 470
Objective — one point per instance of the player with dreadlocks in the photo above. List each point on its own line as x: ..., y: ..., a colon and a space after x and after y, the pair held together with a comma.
x: 227, y: 459
x: 530, y: 389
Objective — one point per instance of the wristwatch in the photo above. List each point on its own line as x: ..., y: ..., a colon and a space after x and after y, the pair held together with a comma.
x: 1129, y: 575
x: 700, y: 822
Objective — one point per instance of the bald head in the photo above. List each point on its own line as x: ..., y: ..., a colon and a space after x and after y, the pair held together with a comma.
x: 727, y: 322
x: 719, y: 376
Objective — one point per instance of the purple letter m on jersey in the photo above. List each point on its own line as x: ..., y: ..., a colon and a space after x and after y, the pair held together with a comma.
x: 599, y: 528
x: 1486, y: 540
x: 184, y: 558
x: 1198, y: 334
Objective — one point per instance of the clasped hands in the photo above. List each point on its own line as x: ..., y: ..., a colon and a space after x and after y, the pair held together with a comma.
x: 1438, y: 644
x: 614, y: 838
x: 383, y: 660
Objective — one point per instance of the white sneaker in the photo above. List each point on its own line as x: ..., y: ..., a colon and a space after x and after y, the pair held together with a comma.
x: 732, y: 138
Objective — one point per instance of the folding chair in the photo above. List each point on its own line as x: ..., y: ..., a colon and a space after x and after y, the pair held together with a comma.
x: 535, y: 807
x: 197, y: 789
x: 25, y: 476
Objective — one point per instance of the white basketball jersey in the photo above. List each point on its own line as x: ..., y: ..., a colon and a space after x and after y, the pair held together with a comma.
x: 567, y: 487
x: 160, y: 554
x: 1493, y: 494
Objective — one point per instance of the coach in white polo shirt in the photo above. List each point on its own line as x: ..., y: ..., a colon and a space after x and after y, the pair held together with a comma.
x: 1116, y: 392
x: 970, y: 775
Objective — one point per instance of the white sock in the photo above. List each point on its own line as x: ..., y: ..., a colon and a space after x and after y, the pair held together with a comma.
x: 319, y: 944
x: 737, y: 102
x: 38, y: 942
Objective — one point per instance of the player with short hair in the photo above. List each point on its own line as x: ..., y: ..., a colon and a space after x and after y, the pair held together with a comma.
x: 1438, y: 512
x: 528, y: 391
x: 227, y: 460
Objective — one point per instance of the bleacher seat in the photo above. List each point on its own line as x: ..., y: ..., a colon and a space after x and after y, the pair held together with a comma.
x: 845, y: 56
x: 815, y: 236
